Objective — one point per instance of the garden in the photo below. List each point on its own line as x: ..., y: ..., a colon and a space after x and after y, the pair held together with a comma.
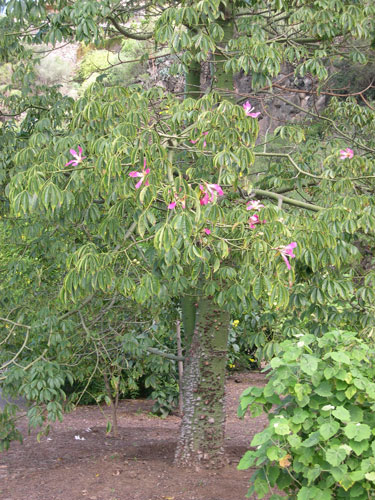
x: 187, y: 229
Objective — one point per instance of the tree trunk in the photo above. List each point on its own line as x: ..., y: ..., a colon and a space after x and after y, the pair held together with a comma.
x: 202, y: 428
x: 206, y: 327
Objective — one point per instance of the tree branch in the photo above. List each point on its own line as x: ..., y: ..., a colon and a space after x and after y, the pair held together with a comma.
x: 153, y: 350
x: 289, y: 201
x: 129, y: 34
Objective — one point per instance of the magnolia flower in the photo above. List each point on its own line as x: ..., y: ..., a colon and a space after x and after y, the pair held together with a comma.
x: 207, y: 231
x: 78, y: 158
x: 249, y: 110
x: 213, y: 190
x: 195, y: 141
x: 142, y: 175
x: 287, y: 251
x: 346, y: 153
x: 254, y: 205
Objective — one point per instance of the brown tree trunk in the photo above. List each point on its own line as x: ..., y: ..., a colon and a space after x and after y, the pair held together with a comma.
x: 203, y: 423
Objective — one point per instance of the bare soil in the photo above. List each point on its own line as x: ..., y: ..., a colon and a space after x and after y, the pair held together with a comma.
x: 137, y: 465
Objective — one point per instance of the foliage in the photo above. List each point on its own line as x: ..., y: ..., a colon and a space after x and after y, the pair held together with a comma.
x: 319, y: 442
x: 165, y: 395
x: 241, y: 351
x: 90, y: 249
x: 8, y: 429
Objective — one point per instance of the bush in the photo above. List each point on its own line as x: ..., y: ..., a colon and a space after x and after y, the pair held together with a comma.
x: 320, y: 441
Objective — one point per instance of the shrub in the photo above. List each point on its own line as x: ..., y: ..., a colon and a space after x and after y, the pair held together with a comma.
x: 320, y: 441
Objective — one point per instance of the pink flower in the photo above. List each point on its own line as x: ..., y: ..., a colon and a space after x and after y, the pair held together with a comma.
x: 213, y: 190
x: 249, y: 110
x: 346, y: 153
x: 253, y: 220
x: 254, y: 205
x: 287, y: 251
x: 78, y: 158
x: 207, y: 231
x: 173, y: 204
x: 142, y: 175
x: 195, y: 141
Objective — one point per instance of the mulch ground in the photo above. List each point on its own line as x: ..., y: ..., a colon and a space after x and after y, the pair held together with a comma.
x: 137, y: 465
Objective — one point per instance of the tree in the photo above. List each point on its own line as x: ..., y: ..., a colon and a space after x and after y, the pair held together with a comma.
x: 173, y: 182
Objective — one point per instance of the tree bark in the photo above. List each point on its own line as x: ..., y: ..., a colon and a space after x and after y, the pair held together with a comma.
x: 203, y: 423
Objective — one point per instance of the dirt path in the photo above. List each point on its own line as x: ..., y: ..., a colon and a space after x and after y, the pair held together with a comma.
x: 138, y: 465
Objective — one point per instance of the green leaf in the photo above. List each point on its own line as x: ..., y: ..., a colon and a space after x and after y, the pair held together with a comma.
x: 341, y: 414
x: 261, y: 487
x: 359, y: 447
x: 294, y: 440
x: 350, y: 391
x: 312, y: 440
x: 261, y: 437
x: 335, y: 456
x: 275, y: 453
x: 281, y: 428
x: 309, y: 364
x: 247, y: 460
x: 324, y: 389
x: 313, y: 473
x: 299, y: 416
x: 340, y: 357
x: 304, y: 493
x: 329, y: 429
x: 358, y: 432
x: 257, y: 287
x: 346, y: 482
